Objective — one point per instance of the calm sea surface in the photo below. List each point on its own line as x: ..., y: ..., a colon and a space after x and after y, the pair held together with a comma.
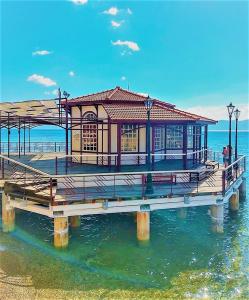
x: 184, y: 259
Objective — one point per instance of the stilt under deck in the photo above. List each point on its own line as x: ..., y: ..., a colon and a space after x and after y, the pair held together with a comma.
x: 66, y: 197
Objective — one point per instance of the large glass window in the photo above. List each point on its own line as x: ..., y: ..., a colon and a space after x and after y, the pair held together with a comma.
x: 174, y: 137
x: 198, y: 137
x: 129, y: 138
x: 159, y: 138
x: 190, y: 136
x: 89, y: 134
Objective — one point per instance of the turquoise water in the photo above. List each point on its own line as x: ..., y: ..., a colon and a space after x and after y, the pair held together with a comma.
x: 185, y: 259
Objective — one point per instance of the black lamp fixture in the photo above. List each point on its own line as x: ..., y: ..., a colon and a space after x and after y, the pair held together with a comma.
x: 66, y: 95
x: 148, y: 103
x: 230, y: 109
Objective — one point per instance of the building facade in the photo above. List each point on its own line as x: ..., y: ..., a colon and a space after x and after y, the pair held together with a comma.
x: 109, y: 128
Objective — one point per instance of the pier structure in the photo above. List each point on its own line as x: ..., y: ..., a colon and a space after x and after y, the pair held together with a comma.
x: 67, y: 197
x: 123, y: 153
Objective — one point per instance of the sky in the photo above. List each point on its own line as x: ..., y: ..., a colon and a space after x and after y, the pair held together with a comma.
x: 193, y: 54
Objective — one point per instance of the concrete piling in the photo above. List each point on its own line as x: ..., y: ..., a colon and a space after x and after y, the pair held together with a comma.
x: 217, y: 216
x: 143, y: 226
x: 8, y: 214
x: 234, y: 201
x: 242, y: 190
x: 61, y: 232
x: 182, y: 213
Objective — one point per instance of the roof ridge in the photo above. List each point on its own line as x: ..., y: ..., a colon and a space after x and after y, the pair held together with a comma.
x: 117, y: 88
x: 93, y: 94
x: 133, y: 93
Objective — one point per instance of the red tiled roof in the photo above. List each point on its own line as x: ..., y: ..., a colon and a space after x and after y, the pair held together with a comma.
x: 121, y: 104
x: 116, y: 94
x: 158, y: 113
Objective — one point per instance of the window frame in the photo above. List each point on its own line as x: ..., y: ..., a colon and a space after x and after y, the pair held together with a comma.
x: 89, y: 133
x: 131, y: 132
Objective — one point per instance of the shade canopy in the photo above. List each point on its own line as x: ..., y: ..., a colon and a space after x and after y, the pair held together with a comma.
x: 31, y: 113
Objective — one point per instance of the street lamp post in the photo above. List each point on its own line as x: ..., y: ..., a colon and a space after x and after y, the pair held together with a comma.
x: 230, y: 109
x: 236, y: 114
x: 148, y: 105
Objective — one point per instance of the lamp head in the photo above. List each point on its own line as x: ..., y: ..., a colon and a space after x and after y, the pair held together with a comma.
x: 237, y: 114
x: 65, y: 94
x: 230, y: 109
x: 148, y: 103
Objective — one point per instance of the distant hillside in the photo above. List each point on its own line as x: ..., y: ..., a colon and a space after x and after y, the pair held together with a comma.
x: 224, y: 125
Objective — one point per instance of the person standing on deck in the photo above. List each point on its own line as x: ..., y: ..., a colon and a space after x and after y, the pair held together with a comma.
x: 225, y: 156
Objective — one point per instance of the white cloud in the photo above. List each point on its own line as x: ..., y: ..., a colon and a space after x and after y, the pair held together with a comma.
x: 111, y: 11
x: 71, y: 73
x: 213, y: 105
x: 41, y: 52
x: 116, y: 24
x: 123, y: 78
x: 129, y: 11
x: 131, y: 45
x: 218, y: 112
x: 79, y: 2
x: 41, y: 80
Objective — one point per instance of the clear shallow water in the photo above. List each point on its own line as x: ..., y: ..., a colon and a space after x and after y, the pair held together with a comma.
x: 184, y: 259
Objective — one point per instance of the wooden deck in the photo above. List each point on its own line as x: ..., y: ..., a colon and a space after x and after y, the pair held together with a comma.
x: 30, y: 182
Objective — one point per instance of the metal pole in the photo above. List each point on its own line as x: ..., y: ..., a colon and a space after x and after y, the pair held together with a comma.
x: 205, y: 142
x: 230, y: 140
x: 8, y: 127
x: 66, y: 127
x: 0, y: 132
x: 24, y: 138
x: 236, y: 140
x: 29, y: 138
x: 19, y: 138
x: 149, y: 186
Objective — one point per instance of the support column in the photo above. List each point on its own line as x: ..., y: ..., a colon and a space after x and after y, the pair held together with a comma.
x: 61, y: 232
x: 143, y: 226
x: 242, y: 190
x: 8, y: 214
x: 234, y: 201
x: 217, y: 215
x: 119, y: 132
x: 74, y: 221
x: 205, y: 142
x: 185, y: 145
x: 182, y: 213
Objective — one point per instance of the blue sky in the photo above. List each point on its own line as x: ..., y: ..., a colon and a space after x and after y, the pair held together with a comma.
x: 191, y: 53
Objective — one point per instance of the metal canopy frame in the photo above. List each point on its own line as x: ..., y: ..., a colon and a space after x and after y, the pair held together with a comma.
x: 30, y: 114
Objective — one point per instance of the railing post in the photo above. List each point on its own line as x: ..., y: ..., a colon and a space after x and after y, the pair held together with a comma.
x: 223, y: 182
x: 51, y: 192
x: 55, y: 147
x: 143, y: 185
x: 56, y: 165
x: 2, y: 161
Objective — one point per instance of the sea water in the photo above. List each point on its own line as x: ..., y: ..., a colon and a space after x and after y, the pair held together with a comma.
x: 184, y: 259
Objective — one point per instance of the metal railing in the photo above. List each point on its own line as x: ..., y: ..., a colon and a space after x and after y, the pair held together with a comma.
x: 59, y: 163
x: 97, y: 186
x: 32, y: 147
x: 231, y: 173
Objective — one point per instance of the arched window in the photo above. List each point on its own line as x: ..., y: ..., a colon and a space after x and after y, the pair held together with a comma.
x: 89, y: 133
